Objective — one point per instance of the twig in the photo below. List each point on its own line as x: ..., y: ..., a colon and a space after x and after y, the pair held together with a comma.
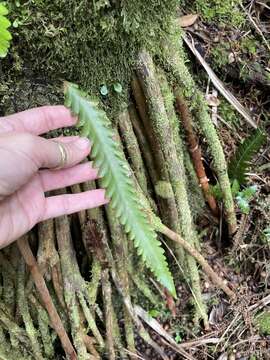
x: 260, y: 304
x: 107, y: 298
x: 219, y: 84
x: 154, y: 324
x: 253, y: 22
x: 193, y: 252
x: 41, y: 286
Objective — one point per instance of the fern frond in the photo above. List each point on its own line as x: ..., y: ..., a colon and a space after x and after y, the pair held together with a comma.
x: 239, y: 164
x: 115, y: 178
x: 5, y: 35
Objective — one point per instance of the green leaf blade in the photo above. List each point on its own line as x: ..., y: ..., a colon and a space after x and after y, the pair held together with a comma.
x: 239, y: 164
x: 118, y: 185
x: 5, y: 35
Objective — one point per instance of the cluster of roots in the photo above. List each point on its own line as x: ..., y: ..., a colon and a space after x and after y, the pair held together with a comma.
x: 81, y: 294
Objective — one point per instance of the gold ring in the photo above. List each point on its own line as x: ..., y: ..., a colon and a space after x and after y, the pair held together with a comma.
x: 63, y: 153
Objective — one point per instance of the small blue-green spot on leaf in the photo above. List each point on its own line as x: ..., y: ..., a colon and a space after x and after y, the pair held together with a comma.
x: 117, y: 88
x: 103, y: 90
x: 15, y: 23
x: 118, y: 184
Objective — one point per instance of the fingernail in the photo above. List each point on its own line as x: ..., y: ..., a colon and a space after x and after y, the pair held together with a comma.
x: 82, y: 143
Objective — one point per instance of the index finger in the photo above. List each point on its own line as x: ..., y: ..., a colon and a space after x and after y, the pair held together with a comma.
x: 38, y: 121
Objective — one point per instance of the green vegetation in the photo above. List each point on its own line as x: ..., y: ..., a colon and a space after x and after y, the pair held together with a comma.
x: 240, y: 162
x: 103, y: 35
x: 228, y: 113
x: 262, y: 322
x: 244, y: 197
x: 5, y: 35
x: 115, y: 178
x: 220, y: 11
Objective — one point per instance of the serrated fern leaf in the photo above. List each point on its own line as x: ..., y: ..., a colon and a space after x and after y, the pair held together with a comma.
x: 115, y: 178
x: 5, y: 35
x: 239, y: 164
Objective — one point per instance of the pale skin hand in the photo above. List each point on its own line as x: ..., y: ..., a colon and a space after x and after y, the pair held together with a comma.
x: 23, y: 179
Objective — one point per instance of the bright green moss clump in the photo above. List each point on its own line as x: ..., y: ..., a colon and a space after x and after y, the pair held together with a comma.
x: 263, y: 322
x: 92, y: 43
x: 224, y: 11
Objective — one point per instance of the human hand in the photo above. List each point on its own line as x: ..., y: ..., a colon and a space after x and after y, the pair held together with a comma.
x: 26, y: 171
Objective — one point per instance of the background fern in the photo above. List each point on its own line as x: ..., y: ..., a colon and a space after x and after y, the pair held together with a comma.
x: 5, y: 35
x: 239, y: 164
x: 116, y: 179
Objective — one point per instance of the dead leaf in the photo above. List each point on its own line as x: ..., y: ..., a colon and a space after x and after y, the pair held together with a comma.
x: 231, y: 58
x: 212, y: 100
x: 188, y: 20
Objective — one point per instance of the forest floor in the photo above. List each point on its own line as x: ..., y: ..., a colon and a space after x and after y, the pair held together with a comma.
x: 240, y: 58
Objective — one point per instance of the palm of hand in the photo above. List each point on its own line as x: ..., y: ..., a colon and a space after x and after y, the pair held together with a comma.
x: 23, y: 182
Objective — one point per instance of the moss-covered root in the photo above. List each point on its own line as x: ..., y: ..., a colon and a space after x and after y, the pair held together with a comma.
x: 139, y: 326
x: 107, y: 299
x: 22, y: 303
x: 44, y: 328
x: 120, y: 253
x: 141, y: 284
x: 23, y: 245
x: 180, y: 147
x: 48, y: 258
x: 6, y: 353
x: 175, y: 63
x: 163, y: 131
x: 75, y: 289
x: 155, y: 164
x: 8, y: 274
x: 8, y: 323
x: 133, y: 150
x: 99, y: 230
x: 195, y: 195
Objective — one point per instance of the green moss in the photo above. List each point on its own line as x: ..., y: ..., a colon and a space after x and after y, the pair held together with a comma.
x: 222, y: 11
x: 91, y: 43
x: 228, y: 113
x: 164, y: 189
x: 220, y: 54
x: 262, y: 322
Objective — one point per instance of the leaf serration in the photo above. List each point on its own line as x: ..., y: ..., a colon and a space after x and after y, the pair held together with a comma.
x: 115, y: 179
